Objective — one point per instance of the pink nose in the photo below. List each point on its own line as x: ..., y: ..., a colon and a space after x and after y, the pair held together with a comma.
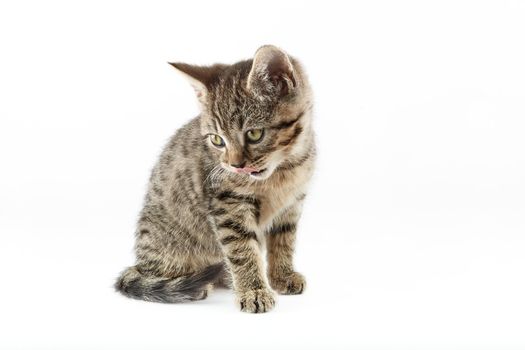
x: 245, y: 170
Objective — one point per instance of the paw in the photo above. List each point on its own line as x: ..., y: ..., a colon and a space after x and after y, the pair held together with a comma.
x: 294, y: 283
x: 202, y: 294
x: 256, y: 300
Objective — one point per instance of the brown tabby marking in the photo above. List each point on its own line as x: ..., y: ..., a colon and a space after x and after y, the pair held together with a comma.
x: 216, y: 197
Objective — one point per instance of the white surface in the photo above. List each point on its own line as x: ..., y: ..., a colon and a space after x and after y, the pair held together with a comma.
x: 413, y: 234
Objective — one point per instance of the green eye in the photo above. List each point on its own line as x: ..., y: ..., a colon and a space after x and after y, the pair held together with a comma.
x: 254, y: 135
x: 217, y: 140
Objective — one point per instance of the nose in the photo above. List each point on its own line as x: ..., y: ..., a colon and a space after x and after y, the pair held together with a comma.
x: 239, y: 165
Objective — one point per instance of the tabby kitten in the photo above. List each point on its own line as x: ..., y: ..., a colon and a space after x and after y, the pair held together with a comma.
x: 229, y: 182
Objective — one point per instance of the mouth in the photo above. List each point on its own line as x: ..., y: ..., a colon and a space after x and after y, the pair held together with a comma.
x: 253, y: 172
x: 257, y: 173
x: 248, y: 171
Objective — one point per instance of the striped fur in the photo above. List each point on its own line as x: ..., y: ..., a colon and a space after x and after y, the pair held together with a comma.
x: 202, y: 224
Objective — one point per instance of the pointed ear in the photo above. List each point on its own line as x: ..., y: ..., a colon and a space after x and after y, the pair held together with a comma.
x: 200, y: 77
x: 272, y: 73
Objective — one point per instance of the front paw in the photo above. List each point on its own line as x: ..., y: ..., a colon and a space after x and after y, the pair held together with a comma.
x: 256, y: 300
x: 293, y: 283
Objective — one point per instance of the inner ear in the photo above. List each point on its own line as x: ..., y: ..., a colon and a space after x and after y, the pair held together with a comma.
x: 202, y: 78
x: 280, y: 71
x: 272, y: 72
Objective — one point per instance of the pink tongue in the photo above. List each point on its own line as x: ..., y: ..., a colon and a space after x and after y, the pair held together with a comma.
x: 246, y: 170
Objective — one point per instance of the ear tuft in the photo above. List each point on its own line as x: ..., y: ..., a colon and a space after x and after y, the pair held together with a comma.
x: 272, y: 73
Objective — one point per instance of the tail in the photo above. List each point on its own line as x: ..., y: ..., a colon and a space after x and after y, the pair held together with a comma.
x: 136, y: 285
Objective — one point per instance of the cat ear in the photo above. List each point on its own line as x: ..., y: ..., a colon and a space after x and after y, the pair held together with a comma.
x: 272, y: 73
x: 200, y: 77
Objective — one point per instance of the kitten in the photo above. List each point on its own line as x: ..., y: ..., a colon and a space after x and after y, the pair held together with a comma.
x: 229, y: 182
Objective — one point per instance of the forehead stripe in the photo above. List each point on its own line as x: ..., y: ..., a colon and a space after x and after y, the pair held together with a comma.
x: 218, y: 121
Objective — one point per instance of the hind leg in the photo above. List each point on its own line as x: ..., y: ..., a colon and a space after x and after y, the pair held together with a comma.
x: 173, y: 263
x: 225, y: 279
x: 168, y: 248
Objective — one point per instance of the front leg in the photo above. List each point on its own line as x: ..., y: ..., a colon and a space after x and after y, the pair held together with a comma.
x: 235, y: 217
x: 280, y: 244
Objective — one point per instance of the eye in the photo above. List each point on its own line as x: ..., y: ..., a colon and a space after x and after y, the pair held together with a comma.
x: 254, y: 135
x: 217, y: 140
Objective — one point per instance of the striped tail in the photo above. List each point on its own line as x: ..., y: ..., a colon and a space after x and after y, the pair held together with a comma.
x: 136, y: 285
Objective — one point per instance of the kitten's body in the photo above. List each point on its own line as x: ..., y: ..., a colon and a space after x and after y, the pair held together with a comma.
x: 202, y: 223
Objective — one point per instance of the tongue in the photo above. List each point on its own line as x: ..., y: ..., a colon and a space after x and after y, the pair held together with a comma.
x: 246, y: 170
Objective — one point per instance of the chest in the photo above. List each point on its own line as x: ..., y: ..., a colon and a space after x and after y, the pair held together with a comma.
x: 280, y: 194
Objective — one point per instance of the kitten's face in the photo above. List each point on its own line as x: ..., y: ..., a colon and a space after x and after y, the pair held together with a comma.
x: 252, y: 111
x: 253, y: 141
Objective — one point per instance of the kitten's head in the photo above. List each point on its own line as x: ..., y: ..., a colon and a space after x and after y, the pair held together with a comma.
x: 255, y: 113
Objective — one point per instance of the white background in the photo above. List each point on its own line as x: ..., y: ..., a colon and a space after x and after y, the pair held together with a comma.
x: 413, y: 232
